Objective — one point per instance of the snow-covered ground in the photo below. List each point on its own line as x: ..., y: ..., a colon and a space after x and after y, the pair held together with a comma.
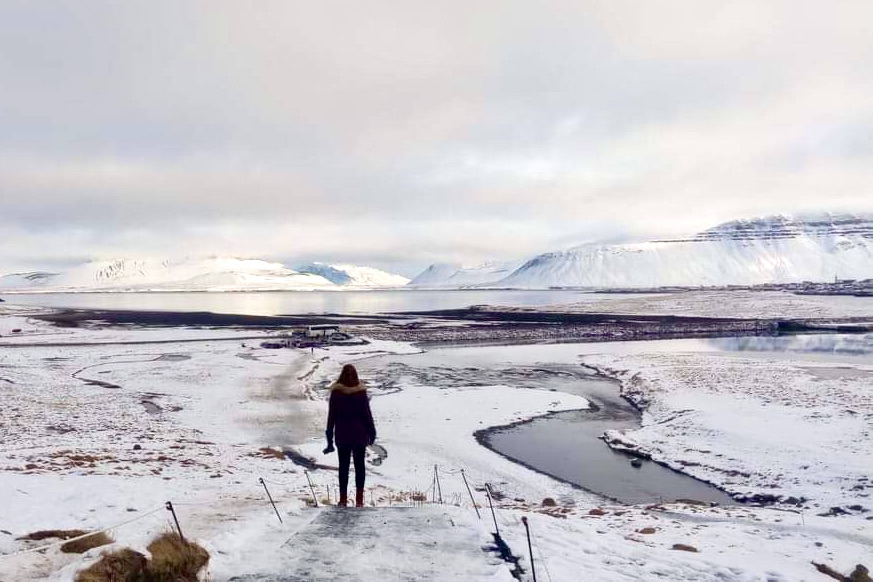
x: 734, y: 303
x: 754, y: 425
x: 97, y: 435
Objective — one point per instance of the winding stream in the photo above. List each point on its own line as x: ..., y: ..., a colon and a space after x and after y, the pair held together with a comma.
x: 564, y: 445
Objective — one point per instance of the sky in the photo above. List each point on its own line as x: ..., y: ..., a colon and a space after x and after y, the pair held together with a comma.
x: 397, y: 134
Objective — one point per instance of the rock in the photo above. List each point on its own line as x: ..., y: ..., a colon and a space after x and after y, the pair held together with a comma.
x: 636, y: 463
x: 597, y: 511
x: 856, y: 508
x: 828, y: 571
x: 860, y: 574
x: 16, y: 330
x: 685, y: 548
x: 137, y: 447
x: 834, y: 511
x: 759, y: 498
x: 647, y: 530
x: 549, y: 502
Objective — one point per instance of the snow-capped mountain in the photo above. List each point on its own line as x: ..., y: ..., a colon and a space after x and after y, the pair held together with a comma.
x: 26, y: 280
x: 774, y: 249
x: 458, y: 275
x: 354, y: 276
x: 191, y: 274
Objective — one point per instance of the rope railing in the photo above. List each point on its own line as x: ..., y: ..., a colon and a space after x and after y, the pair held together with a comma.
x: 435, y: 493
x: 83, y: 536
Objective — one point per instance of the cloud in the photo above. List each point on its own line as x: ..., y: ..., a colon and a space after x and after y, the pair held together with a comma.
x: 401, y: 133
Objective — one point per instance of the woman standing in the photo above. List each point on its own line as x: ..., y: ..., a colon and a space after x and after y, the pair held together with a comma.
x: 349, y: 417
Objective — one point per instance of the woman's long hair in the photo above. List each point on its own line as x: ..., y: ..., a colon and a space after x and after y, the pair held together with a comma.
x: 349, y: 376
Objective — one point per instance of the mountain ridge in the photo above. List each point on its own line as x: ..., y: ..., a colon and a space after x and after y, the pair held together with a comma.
x: 191, y: 274
x: 780, y: 248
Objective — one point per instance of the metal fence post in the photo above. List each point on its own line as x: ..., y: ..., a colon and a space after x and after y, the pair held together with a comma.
x: 529, y: 548
x: 311, y: 488
x: 270, y: 497
x: 169, y: 507
x: 463, y: 476
x: 491, y: 505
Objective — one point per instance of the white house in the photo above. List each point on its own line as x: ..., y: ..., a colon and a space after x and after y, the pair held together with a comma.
x: 325, y: 331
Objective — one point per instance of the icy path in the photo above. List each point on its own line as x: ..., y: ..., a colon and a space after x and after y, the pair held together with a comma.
x: 399, y: 543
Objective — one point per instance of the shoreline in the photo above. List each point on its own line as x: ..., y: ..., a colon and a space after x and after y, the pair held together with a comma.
x: 471, y: 326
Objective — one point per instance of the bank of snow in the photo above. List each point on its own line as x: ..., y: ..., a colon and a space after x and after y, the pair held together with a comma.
x: 793, y: 431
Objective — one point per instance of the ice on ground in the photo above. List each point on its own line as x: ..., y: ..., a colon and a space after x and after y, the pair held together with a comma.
x: 387, y: 543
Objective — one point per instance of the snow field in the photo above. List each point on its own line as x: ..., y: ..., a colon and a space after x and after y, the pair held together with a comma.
x: 220, y: 403
x: 753, y: 425
x: 734, y: 303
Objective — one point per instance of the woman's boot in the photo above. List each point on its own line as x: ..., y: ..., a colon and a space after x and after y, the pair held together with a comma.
x: 343, y: 500
x: 359, y: 498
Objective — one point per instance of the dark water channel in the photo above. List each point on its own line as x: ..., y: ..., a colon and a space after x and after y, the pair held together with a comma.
x: 564, y: 445
x: 567, y: 445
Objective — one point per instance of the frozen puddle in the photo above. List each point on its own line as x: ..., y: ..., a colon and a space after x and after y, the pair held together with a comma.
x: 397, y: 543
x: 564, y: 445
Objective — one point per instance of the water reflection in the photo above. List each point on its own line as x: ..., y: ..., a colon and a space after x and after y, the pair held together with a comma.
x: 300, y: 302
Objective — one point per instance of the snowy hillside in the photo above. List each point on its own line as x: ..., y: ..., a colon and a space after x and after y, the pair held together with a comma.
x: 456, y: 275
x: 209, y: 274
x: 776, y: 249
x: 26, y: 280
x: 199, y: 274
x: 354, y: 276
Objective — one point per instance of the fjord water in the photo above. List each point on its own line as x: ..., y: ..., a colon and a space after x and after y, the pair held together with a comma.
x: 299, y: 302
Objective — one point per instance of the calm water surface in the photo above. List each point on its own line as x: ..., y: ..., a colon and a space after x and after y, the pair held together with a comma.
x: 303, y: 302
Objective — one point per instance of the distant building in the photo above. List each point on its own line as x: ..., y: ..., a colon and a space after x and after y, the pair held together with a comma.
x: 321, y: 331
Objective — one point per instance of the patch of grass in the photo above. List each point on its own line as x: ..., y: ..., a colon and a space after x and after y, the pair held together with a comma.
x: 63, y: 534
x: 175, y: 560
x: 83, y: 545
x: 268, y: 452
x: 121, y: 566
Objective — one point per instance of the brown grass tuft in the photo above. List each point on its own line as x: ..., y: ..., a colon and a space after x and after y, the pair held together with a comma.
x: 267, y: 452
x: 81, y: 546
x: 63, y: 534
x: 120, y: 566
x: 174, y: 560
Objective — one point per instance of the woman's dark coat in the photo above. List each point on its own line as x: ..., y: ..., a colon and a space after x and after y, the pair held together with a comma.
x: 349, y: 419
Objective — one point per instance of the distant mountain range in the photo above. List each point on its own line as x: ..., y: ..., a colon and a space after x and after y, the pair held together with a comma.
x: 773, y: 249
x: 199, y: 274
x: 459, y: 275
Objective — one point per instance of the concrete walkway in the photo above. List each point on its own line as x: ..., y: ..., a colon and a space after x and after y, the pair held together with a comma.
x: 385, y: 543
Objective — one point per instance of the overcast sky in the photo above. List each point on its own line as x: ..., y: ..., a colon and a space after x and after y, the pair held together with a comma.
x: 398, y: 134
